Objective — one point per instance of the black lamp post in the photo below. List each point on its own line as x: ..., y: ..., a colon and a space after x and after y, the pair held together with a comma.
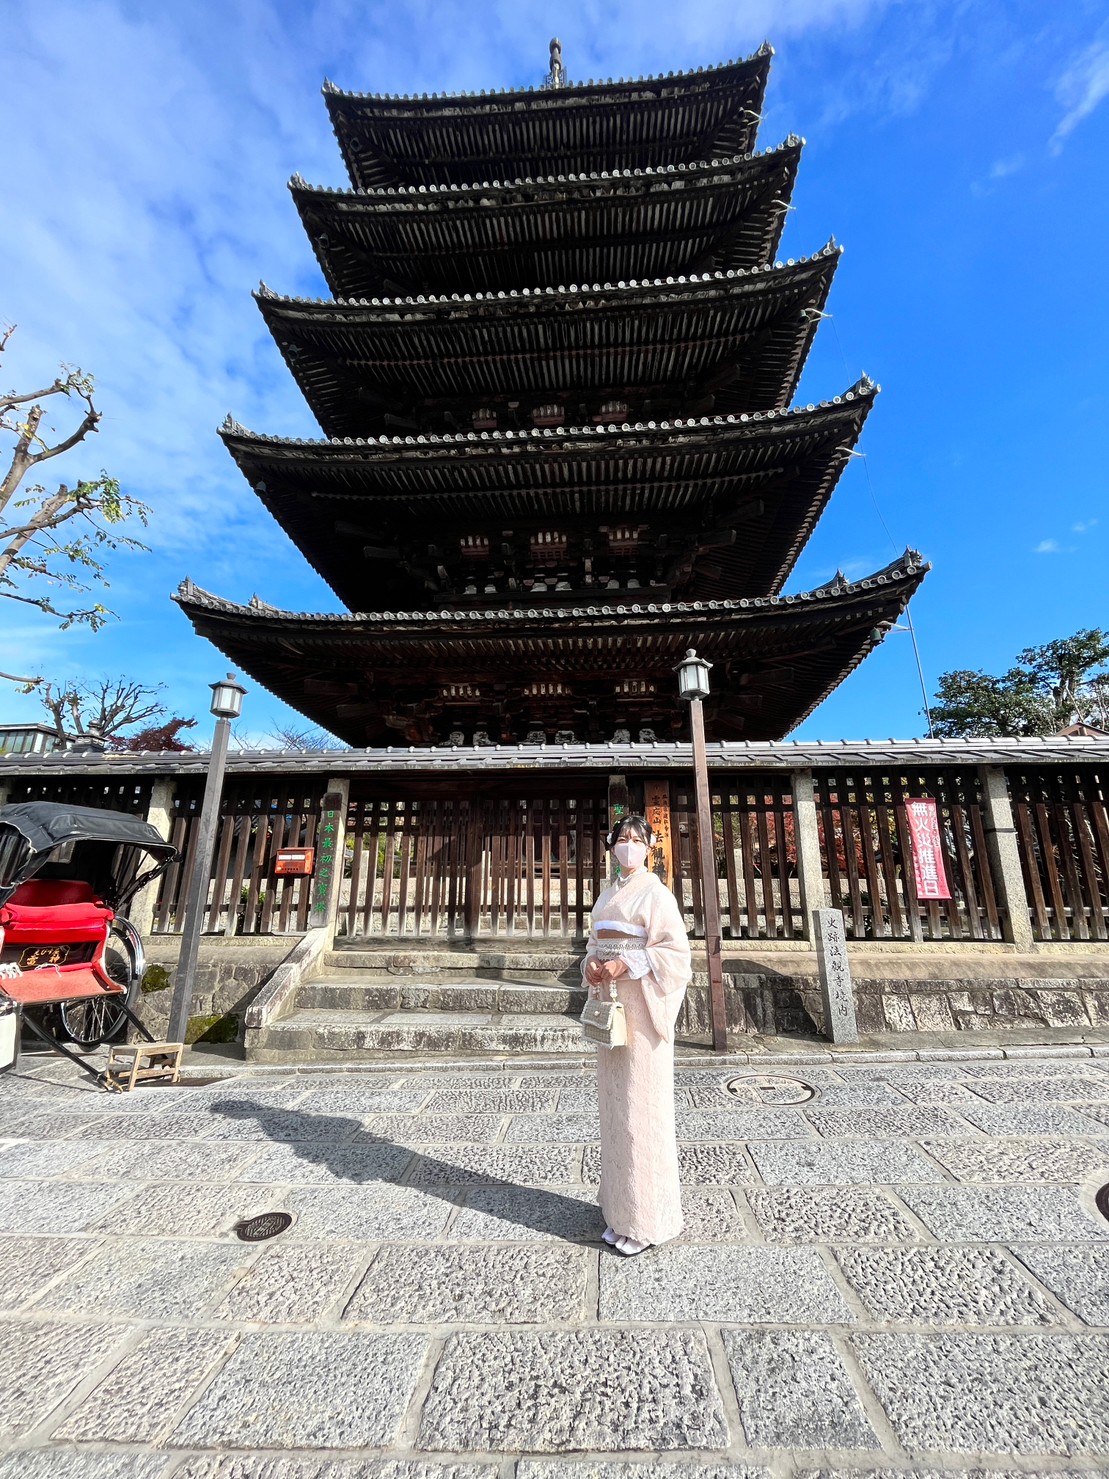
x: 693, y: 686
x: 227, y: 704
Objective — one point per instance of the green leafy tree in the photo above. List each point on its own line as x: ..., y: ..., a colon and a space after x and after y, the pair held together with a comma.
x: 55, y: 540
x: 1060, y: 683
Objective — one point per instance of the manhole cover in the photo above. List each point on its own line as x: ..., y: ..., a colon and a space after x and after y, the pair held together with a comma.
x: 765, y: 1088
x: 1101, y: 1201
x: 265, y: 1225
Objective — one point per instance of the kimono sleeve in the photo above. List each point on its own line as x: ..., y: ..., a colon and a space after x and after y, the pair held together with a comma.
x: 668, y: 954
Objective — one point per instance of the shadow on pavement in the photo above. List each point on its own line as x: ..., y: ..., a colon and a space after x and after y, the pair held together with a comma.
x: 328, y: 1140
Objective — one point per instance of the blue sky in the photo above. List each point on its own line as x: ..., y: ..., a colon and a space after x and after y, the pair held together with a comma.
x: 958, y: 150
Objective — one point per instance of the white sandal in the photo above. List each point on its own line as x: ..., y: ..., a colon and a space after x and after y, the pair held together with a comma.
x: 629, y: 1247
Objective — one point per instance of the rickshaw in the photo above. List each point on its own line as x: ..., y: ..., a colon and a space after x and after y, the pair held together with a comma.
x: 66, y: 875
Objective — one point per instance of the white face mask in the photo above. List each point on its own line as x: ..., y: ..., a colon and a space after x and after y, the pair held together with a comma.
x: 630, y: 854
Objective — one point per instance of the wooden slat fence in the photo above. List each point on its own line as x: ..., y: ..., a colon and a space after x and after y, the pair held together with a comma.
x: 258, y: 815
x: 1062, y: 822
x: 129, y: 794
x: 867, y: 853
x: 430, y: 864
x: 756, y: 857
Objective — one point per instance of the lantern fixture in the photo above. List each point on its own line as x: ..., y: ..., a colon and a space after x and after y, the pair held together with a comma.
x: 693, y: 676
x: 227, y: 698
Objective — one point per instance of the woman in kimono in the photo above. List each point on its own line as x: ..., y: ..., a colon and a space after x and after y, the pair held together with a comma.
x: 638, y: 943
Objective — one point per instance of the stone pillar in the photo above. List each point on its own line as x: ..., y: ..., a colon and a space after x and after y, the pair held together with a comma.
x: 160, y: 816
x: 1004, y: 857
x: 810, y: 866
x: 836, y: 991
x: 331, y: 844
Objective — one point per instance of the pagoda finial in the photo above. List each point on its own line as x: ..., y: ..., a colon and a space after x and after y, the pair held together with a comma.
x: 556, y: 77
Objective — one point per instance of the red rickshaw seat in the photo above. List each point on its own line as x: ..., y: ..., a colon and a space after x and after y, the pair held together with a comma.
x: 61, y: 909
x: 43, y: 987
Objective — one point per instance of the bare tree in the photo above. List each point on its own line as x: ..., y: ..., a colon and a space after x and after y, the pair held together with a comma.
x: 53, y: 541
x: 103, y: 707
x: 289, y: 737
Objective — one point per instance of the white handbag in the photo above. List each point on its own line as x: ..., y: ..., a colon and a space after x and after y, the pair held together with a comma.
x: 603, y: 1023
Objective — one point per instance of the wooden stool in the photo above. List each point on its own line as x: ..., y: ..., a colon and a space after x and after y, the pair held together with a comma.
x: 143, y: 1062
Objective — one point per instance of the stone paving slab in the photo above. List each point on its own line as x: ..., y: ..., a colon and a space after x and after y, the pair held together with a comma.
x: 520, y: 1213
x: 492, y: 1101
x: 330, y: 1163
x: 859, y: 1096
x: 882, y: 1123
x: 174, y: 1160
x: 470, y: 1284
x: 992, y: 1394
x: 795, y: 1391
x: 1031, y: 1119
x: 40, y: 1362
x: 566, y: 1127
x: 147, y: 1276
x: 56, y: 1206
x: 362, y: 1097
x: 236, y: 1466
x: 846, y: 1163
x: 829, y: 1215
x: 546, y: 1468
x: 733, y: 1285
x: 39, y: 1160
x: 545, y: 1393
x: 70, y: 1463
x: 367, y: 1214
x: 529, y: 1165
x: 743, y: 1123
x: 1032, y: 1161
x: 1020, y: 1089
x: 421, y: 1129
x: 1078, y: 1277
x: 943, y: 1286
x: 30, y: 1264
x: 1003, y: 1214
x: 183, y: 1209
x: 291, y: 1284
x: 139, y: 1400
x: 333, y: 1389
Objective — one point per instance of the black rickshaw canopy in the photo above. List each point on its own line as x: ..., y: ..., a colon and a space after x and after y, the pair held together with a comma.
x: 107, y: 848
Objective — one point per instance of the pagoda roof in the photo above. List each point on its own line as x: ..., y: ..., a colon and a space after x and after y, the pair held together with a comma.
x: 749, y: 488
x: 551, y: 230
x: 672, y: 119
x: 729, y: 342
x: 425, y: 674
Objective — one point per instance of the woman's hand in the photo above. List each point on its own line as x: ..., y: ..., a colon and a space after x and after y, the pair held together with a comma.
x: 593, y: 970
x: 612, y: 970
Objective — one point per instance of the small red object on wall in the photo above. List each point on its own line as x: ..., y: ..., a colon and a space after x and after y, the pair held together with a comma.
x: 295, y: 860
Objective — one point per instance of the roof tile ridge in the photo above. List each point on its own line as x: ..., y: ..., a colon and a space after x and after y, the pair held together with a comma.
x: 789, y: 145
x: 863, y: 389
x: 331, y: 90
x: 523, y: 295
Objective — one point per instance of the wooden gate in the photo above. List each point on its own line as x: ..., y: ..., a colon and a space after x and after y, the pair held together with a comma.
x: 1062, y: 821
x: 500, y: 859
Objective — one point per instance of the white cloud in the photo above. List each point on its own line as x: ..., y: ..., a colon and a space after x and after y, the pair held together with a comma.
x: 1081, y: 88
x: 1002, y: 168
x: 1048, y: 547
x: 1083, y: 525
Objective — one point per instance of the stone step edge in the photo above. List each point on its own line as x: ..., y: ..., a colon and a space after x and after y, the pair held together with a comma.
x: 689, y: 1058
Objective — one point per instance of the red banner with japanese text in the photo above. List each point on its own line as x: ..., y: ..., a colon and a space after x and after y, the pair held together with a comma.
x: 924, y: 830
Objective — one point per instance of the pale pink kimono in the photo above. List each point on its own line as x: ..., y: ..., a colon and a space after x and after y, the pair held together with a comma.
x: 639, y: 1191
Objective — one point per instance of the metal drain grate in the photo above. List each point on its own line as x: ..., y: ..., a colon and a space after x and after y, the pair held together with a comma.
x: 765, y: 1088
x: 1101, y: 1200
x: 265, y: 1225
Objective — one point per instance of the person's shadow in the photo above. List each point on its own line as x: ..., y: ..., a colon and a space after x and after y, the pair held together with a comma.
x: 353, y: 1154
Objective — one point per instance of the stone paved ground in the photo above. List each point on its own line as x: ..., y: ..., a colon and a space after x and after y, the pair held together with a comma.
x: 908, y: 1272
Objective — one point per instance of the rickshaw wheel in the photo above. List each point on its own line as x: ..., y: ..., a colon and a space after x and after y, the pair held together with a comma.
x: 98, y: 1019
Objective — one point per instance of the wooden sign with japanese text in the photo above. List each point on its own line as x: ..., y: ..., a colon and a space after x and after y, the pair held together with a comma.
x: 656, y: 808
x: 328, y: 862
x: 929, y: 875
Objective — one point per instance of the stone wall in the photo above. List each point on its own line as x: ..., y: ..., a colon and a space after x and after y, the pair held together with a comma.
x: 779, y: 1004
x: 230, y: 973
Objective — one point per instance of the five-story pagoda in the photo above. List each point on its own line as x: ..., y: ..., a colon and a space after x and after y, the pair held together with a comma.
x: 555, y: 382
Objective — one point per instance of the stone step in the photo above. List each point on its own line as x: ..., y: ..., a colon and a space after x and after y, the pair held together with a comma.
x: 364, y: 991
x: 313, y: 1035
x: 494, y: 963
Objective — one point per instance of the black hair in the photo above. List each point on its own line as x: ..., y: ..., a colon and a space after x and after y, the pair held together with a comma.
x: 633, y: 819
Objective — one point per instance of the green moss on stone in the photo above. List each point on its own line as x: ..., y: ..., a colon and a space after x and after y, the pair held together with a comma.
x: 221, y: 1028
x: 156, y: 978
